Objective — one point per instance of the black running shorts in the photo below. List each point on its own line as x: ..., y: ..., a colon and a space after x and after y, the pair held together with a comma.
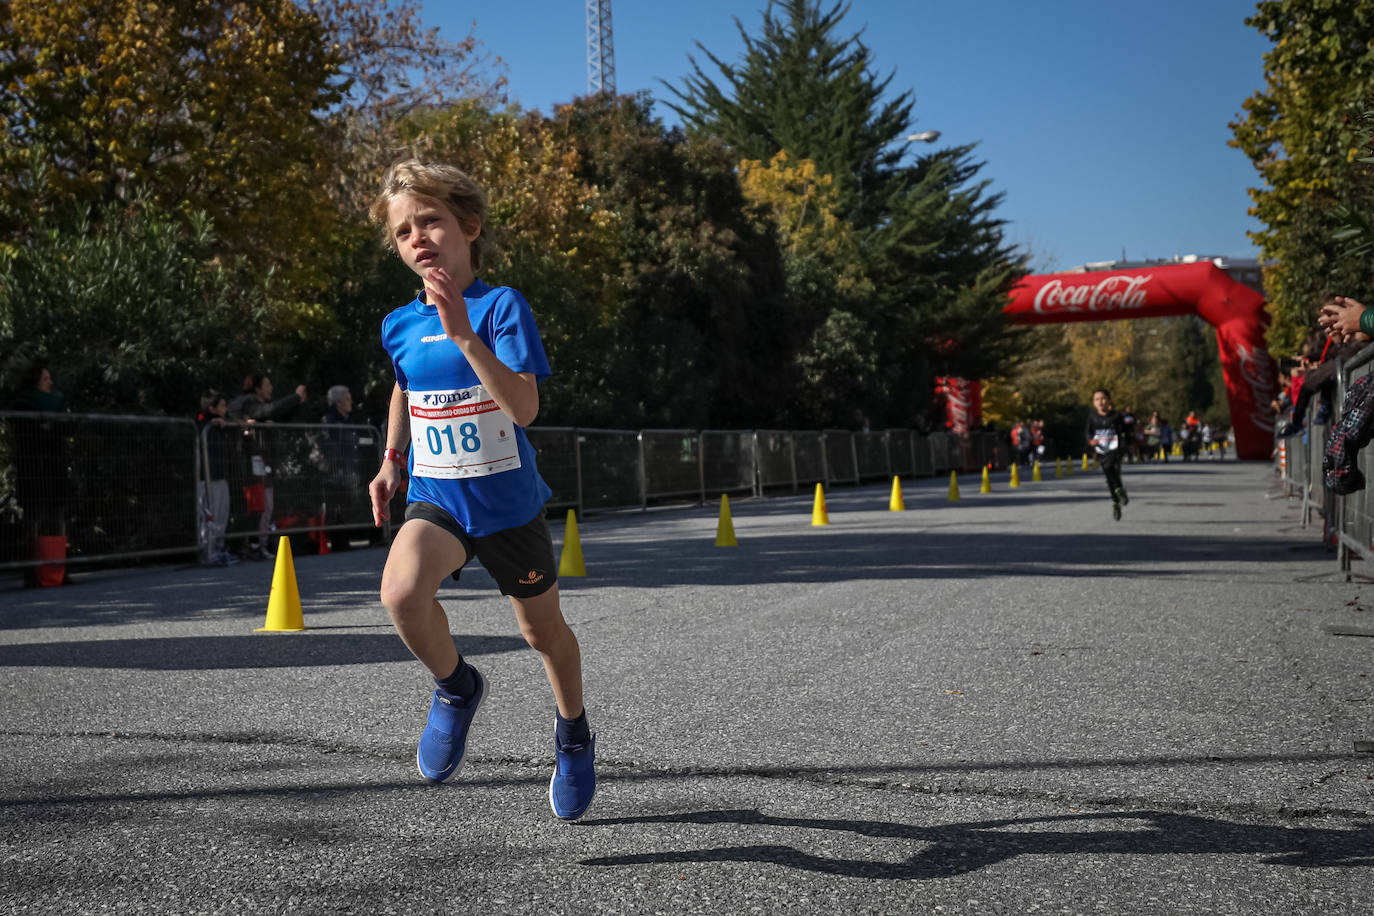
x: 519, y: 559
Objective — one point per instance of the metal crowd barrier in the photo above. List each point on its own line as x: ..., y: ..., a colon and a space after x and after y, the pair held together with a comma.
x: 594, y: 470
x: 106, y: 486
x: 1299, y: 465
x: 306, y: 479
x: 1353, y: 514
x: 125, y: 487
x: 1348, y: 521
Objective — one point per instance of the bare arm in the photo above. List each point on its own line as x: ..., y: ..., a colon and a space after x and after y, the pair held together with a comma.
x: 388, y: 479
x: 516, y: 393
x: 397, y: 421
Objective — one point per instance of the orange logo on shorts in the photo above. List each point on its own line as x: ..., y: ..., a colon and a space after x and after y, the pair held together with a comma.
x: 532, y: 577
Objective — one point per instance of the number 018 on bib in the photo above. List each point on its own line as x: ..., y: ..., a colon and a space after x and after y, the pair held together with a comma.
x: 459, y: 434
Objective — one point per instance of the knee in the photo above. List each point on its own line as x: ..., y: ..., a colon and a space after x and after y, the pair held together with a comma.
x: 548, y: 636
x: 403, y: 601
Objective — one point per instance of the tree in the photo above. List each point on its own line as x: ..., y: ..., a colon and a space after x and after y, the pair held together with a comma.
x: 655, y: 293
x: 803, y: 206
x: 135, y: 308
x: 232, y: 109
x: 942, y: 271
x: 802, y: 89
x: 1304, y: 133
x: 835, y: 357
x: 701, y: 336
x: 927, y: 241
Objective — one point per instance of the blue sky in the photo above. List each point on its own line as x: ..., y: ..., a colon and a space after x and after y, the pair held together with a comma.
x: 1104, y: 124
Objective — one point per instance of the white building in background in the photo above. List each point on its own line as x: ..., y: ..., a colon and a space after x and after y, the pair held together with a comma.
x: 1242, y: 270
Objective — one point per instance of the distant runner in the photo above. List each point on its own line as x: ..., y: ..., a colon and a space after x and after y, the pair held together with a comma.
x: 1106, y: 433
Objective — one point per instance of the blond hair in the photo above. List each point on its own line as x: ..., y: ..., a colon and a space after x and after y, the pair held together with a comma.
x: 443, y: 184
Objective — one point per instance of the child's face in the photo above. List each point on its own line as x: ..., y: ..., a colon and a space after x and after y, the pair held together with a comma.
x: 427, y: 235
x: 220, y: 407
x: 1101, y: 401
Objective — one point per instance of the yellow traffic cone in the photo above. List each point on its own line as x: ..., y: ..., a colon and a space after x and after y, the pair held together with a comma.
x: 896, y: 503
x: 1058, y: 468
x: 953, y: 487
x: 987, y: 482
x: 818, y: 514
x: 570, y: 561
x: 1085, y: 461
x: 1015, y: 476
x: 1035, y: 472
x: 725, y: 528
x: 284, y: 604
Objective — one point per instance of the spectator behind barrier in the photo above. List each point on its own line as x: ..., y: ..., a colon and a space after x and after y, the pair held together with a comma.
x: 42, y: 484
x: 1347, y: 320
x: 1152, y: 436
x: 214, y: 491
x: 257, y: 406
x: 1128, y: 434
x: 343, y: 486
x: 1340, y: 318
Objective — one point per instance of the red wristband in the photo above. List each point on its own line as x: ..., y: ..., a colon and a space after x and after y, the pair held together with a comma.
x: 392, y: 455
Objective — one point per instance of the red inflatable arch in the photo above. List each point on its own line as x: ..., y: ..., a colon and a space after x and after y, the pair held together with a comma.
x: 1202, y: 288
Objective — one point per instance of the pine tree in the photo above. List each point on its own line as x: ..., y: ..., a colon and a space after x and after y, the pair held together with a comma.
x: 935, y: 267
x: 801, y: 89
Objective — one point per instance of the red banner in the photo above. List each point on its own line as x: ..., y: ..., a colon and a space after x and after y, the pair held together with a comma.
x: 963, y: 403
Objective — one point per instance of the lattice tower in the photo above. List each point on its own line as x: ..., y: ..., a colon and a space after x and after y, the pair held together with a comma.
x: 600, y: 48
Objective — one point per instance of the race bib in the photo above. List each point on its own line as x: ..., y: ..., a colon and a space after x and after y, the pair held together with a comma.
x: 458, y: 434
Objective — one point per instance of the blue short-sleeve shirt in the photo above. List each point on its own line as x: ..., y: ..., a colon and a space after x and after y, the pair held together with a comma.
x: 426, y: 360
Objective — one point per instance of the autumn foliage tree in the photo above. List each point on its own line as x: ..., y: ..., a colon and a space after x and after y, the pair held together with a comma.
x: 239, y: 122
x: 232, y: 109
x: 707, y: 276
x: 1305, y: 133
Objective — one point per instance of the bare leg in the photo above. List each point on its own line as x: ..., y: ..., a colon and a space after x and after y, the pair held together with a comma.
x: 542, y: 625
x: 421, y: 556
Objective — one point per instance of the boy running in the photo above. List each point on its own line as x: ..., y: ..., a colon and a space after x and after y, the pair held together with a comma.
x: 468, y: 360
x: 1106, y: 435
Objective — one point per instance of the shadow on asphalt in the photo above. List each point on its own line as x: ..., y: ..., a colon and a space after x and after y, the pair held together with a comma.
x: 849, y: 501
x: 196, y: 653
x: 619, y: 773
x: 830, y: 555
x: 956, y: 849
x: 822, y: 554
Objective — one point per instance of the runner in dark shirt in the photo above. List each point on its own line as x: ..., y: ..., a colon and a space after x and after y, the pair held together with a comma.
x: 1106, y: 434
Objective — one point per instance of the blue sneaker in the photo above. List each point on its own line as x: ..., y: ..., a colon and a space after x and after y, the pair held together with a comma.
x: 574, y: 779
x: 443, y: 743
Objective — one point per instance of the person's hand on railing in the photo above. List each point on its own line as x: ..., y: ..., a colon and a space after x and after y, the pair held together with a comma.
x: 1340, y: 318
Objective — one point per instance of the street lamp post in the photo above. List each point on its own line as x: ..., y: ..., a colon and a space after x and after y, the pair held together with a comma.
x: 925, y: 136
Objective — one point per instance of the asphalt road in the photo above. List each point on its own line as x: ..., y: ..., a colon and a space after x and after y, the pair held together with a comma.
x: 1008, y: 704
